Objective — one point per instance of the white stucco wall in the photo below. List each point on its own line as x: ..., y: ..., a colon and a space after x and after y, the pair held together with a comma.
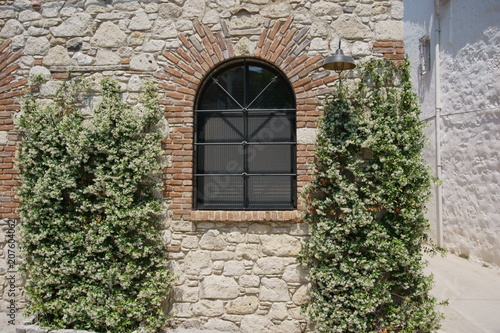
x: 470, y: 129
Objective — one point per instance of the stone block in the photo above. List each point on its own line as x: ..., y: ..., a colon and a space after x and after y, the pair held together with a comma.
x: 169, y: 10
x: 182, y: 310
x: 36, y: 46
x: 269, y: 266
x: 234, y: 268
x: 186, y: 294
x: 107, y: 57
x: 235, y: 236
x: 153, y: 45
x: 380, y: 8
x: 52, y: 9
x: 109, y: 35
x: 208, y: 308
x: 189, y: 242
x: 301, y: 296
x: 33, y: 31
x: 249, y: 281
x: 7, y: 13
x: 77, y: 25
x: 49, y: 88
x: 40, y: 70
x: 213, y: 240
x: 211, y: 17
x: 127, y: 6
x: 278, y: 311
x: 4, y: 138
x: 193, y: 8
x: 256, y: 324
x: 351, y: 27
x: 389, y: 30
x: 280, y: 245
x: 218, y: 265
x: 244, y: 20
x: 57, y: 56
x: 397, y: 10
x: 198, y: 263
x: 191, y: 324
x: 219, y: 287
x: 140, y: 21
x: 182, y: 226
x: 135, y: 84
x: 222, y: 255
x: 296, y: 313
x: 221, y: 325
x: 277, y: 10
x: 361, y: 49
x: 326, y: 8
x: 247, y: 251
x: 243, y: 305
x: 295, y: 274
x: 251, y: 291
x: 28, y: 15
x: 259, y: 228
x: 307, y: 135
x: 273, y: 290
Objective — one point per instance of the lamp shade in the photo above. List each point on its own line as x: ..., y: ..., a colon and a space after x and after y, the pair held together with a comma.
x: 339, y: 62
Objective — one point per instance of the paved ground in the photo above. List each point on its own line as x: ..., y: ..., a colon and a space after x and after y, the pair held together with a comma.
x: 473, y: 292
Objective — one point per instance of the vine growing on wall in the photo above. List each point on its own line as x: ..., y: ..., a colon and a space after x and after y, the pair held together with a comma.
x: 89, y: 216
x: 366, y: 209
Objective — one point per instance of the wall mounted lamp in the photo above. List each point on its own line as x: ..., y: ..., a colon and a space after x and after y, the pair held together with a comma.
x: 339, y: 62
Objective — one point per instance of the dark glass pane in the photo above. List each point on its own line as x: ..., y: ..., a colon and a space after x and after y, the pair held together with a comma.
x: 267, y: 90
x: 270, y: 192
x: 220, y: 127
x: 220, y: 192
x: 271, y: 128
x: 220, y: 159
x: 258, y: 79
x: 214, y: 98
x: 270, y: 158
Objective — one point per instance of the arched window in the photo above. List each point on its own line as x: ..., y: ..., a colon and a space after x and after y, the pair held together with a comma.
x: 245, y: 139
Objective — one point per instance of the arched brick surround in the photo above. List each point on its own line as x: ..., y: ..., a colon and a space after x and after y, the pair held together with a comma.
x: 280, y: 45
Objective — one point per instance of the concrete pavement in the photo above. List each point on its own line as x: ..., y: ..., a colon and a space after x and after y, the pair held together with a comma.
x: 473, y: 293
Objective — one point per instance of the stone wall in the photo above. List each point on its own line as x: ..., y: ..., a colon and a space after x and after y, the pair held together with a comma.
x: 237, y: 269
x: 240, y: 276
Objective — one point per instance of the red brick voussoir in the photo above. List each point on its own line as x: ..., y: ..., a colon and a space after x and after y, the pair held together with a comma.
x: 11, y: 88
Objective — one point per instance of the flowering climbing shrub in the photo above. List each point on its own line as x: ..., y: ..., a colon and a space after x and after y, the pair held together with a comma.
x: 92, y: 249
x: 366, y: 209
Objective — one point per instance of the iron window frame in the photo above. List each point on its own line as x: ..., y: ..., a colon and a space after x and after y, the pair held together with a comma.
x: 246, y: 112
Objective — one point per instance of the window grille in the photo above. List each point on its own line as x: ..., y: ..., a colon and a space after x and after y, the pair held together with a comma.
x: 245, y: 140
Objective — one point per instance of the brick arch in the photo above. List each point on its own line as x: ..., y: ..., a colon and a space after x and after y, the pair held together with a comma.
x: 286, y: 48
x: 11, y: 87
x: 279, y: 44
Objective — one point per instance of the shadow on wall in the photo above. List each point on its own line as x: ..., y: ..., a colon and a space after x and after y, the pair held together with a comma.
x: 470, y: 76
x: 471, y: 163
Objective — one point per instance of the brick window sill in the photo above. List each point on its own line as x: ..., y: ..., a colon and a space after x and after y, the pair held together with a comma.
x: 238, y: 216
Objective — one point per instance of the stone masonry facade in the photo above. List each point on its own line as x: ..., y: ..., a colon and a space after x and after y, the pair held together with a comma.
x: 237, y: 270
